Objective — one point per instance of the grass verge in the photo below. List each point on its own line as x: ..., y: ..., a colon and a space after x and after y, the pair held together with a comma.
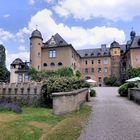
x: 41, y: 124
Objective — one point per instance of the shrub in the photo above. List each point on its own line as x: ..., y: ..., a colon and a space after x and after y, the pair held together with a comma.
x: 111, y: 81
x: 123, y: 90
x: 60, y: 84
x: 92, y: 93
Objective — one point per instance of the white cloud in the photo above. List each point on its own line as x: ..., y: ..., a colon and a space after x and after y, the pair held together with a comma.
x: 6, y: 15
x: 31, y: 2
x: 109, y: 9
x: 21, y: 48
x: 79, y: 37
x: 11, y: 57
x: 5, y: 35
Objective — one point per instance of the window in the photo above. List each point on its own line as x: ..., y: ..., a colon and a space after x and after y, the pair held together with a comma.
x: 86, y: 62
x: 105, y: 70
x: 26, y: 77
x: 52, y: 64
x: 38, y: 54
x: 52, y: 53
x: 99, y: 70
x: 60, y: 64
x: 20, y: 77
x: 38, y: 43
x: 38, y: 67
x: 92, y: 61
x: 115, y: 52
x: 105, y: 61
x: 92, y: 70
x: 86, y: 54
x: 100, y: 79
x: 45, y: 64
x: 92, y: 54
x: 99, y: 61
x: 86, y: 70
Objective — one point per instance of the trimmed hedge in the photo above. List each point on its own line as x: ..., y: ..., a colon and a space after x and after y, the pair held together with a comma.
x: 123, y: 90
x: 92, y: 93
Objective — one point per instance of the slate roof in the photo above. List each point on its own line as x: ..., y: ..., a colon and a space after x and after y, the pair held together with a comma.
x: 94, y: 52
x: 36, y: 33
x: 136, y: 42
x: 57, y: 41
x: 114, y: 44
x: 17, y: 61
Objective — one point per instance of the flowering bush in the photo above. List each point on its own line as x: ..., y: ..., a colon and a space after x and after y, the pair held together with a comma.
x: 7, y: 105
x: 60, y: 84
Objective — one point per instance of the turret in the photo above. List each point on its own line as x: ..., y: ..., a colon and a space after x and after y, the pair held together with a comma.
x: 115, y: 59
x: 132, y: 34
x: 36, y: 43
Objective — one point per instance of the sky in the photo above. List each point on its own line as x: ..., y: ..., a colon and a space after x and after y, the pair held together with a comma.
x: 82, y: 23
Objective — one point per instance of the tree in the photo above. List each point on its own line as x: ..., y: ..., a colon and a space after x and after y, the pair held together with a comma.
x: 111, y: 81
x: 78, y: 74
x: 34, y: 74
x: 4, y: 73
x: 132, y: 72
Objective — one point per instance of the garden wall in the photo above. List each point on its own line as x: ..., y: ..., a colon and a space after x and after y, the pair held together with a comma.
x: 64, y: 102
x: 134, y: 94
x: 25, y: 93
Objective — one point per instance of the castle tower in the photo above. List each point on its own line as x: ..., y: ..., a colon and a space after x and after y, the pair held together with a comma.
x: 115, y: 59
x: 36, y: 42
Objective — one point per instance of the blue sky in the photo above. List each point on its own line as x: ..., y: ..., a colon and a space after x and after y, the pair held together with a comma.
x: 83, y: 23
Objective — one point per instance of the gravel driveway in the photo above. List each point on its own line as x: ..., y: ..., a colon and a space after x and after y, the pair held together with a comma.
x: 112, y: 118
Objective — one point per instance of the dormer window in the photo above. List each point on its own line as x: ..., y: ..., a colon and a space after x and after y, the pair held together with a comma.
x: 86, y: 54
x: 92, y: 54
x: 52, y: 42
x: 60, y: 42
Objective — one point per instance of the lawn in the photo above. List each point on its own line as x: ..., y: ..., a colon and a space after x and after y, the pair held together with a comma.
x: 41, y: 124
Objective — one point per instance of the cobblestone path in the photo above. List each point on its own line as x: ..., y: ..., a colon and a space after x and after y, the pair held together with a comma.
x: 113, y: 117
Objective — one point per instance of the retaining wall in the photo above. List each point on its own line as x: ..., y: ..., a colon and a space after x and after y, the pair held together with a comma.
x: 134, y: 94
x: 64, y: 102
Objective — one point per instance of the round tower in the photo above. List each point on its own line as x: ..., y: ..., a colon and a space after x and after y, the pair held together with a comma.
x: 36, y: 43
x: 115, y: 59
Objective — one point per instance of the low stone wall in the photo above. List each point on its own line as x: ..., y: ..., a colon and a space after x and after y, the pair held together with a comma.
x: 25, y: 93
x: 64, y: 102
x: 134, y: 94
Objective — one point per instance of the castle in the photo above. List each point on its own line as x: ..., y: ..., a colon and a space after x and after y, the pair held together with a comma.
x: 95, y: 63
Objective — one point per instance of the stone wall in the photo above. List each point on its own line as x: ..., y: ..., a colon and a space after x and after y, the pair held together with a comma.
x: 64, y: 102
x: 134, y: 94
x: 26, y: 93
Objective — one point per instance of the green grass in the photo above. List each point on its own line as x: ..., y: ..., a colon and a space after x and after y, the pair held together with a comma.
x: 40, y: 123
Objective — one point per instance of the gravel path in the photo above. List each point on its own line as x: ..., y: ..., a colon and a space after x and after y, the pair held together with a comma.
x: 112, y: 118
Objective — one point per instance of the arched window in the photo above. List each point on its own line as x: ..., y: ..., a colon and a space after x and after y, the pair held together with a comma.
x: 52, y: 64
x: 45, y: 64
x: 60, y: 64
